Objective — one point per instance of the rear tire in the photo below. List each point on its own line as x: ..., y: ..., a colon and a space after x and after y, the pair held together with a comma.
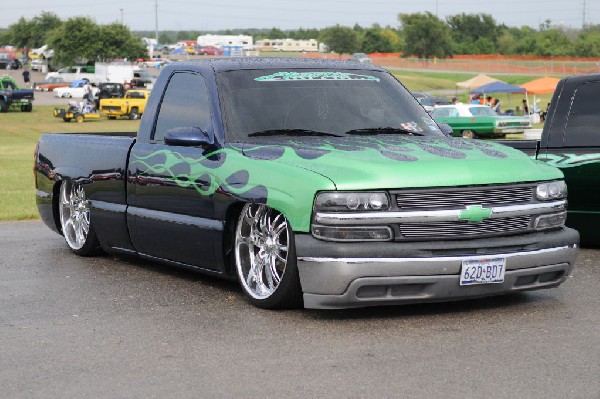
x: 468, y: 134
x: 265, y: 258
x: 75, y: 222
x: 66, y: 95
x: 3, y: 106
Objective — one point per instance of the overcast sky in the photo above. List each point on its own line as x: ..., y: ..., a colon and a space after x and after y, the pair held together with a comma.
x: 208, y: 15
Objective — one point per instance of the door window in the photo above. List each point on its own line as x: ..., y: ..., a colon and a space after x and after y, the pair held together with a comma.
x: 583, y: 123
x: 184, y: 104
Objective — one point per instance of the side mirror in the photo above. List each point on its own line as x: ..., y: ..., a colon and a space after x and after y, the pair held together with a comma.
x: 446, y: 129
x: 188, y: 136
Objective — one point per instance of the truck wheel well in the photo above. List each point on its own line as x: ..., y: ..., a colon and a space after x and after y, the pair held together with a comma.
x: 231, y: 218
x: 55, y: 205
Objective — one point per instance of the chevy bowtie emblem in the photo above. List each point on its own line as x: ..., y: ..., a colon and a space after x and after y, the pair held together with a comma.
x: 475, y: 214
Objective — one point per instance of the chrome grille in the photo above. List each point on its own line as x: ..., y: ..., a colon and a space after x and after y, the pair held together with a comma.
x: 462, y: 229
x: 459, y: 198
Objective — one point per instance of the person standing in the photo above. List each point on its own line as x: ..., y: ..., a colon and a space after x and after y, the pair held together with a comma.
x: 26, y: 76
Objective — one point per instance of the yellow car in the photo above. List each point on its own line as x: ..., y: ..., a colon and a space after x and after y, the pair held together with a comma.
x: 132, y: 105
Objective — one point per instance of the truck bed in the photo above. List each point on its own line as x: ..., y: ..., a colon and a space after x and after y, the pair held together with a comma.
x: 529, y: 147
x: 99, y: 161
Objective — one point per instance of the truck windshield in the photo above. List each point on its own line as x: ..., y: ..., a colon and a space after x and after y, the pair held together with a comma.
x: 340, y: 102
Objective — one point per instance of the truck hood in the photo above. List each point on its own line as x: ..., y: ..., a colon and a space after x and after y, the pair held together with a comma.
x: 393, y: 161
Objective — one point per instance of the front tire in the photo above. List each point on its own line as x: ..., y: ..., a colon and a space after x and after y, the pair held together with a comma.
x: 265, y: 258
x: 75, y: 221
x: 133, y: 114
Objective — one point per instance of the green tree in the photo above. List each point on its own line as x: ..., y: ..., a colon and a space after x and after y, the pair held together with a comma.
x: 426, y: 36
x: 276, y: 33
x: 32, y: 33
x: 587, y: 44
x: 165, y: 38
x: 374, y: 40
x: 340, y: 39
x: 116, y: 41
x: 552, y: 42
x: 77, y: 39
x: 473, y: 33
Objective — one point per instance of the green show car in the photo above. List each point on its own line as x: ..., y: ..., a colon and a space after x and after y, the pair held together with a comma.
x: 471, y: 121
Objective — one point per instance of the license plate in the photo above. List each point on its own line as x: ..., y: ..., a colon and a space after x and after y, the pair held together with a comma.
x: 24, y: 100
x: 482, y: 271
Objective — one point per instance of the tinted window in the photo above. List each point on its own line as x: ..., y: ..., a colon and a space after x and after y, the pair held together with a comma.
x: 185, y: 104
x: 584, y: 117
x: 329, y: 101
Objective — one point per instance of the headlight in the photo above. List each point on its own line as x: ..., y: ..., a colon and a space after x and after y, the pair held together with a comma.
x: 551, y: 190
x: 351, y: 201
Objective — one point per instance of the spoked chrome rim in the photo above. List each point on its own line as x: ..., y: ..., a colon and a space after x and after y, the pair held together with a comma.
x: 74, y: 214
x: 261, y: 249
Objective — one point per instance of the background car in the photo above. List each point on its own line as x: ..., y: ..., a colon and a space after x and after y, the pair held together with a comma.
x: 37, y: 64
x: 430, y: 102
x: 208, y: 50
x: 360, y: 57
x: 75, y: 90
x: 471, y: 121
x: 50, y: 84
x: 6, y: 62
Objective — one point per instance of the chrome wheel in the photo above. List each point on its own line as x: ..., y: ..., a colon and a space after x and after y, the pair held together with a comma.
x: 74, y: 215
x: 262, y: 241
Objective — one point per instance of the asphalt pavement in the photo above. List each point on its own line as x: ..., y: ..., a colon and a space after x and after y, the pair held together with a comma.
x: 106, y: 327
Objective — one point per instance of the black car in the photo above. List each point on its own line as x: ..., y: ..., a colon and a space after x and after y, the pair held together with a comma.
x: 9, y: 63
x: 109, y: 90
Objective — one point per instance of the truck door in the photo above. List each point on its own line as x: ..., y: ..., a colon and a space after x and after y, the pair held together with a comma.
x: 578, y: 156
x: 172, y: 209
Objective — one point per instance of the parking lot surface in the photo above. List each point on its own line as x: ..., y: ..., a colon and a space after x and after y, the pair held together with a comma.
x: 108, y: 327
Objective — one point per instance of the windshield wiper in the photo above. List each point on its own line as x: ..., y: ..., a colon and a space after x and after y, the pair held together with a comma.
x: 382, y: 130
x: 290, y: 132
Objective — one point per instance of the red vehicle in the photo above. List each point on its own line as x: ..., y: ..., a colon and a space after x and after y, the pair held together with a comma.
x: 208, y: 50
x: 51, y: 84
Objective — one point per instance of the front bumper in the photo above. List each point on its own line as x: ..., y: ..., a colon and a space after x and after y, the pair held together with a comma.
x: 335, y: 275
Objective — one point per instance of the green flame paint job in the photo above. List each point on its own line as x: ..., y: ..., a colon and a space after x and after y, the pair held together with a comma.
x: 286, y: 76
x: 569, y: 160
x: 286, y: 174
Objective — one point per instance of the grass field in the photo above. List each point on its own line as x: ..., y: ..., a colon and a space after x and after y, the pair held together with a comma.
x: 19, y: 132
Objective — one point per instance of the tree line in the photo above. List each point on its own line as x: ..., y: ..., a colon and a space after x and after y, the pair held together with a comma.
x: 419, y: 34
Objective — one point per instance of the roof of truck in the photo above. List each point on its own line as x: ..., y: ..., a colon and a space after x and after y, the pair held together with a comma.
x: 236, y: 63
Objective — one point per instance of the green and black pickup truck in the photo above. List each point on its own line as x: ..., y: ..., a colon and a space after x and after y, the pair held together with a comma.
x: 312, y: 182
x: 571, y: 141
x: 11, y: 96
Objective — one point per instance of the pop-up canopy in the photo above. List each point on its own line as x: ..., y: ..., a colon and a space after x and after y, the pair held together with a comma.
x: 498, y: 87
x: 477, y: 81
x: 541, y: 86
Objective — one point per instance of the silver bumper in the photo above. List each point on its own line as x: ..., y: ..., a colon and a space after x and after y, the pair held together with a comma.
x: 330, y: 283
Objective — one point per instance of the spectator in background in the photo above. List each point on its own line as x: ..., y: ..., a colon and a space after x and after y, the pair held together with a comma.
x: 489, y: 102
x: 87, y: 92
x: 496, y: 106
x: 26, y: 76
x: 525, y: 107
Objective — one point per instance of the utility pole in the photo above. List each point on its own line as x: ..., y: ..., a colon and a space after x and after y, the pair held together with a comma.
x: 583, y: 23
x: 121, y: 15
x: 156, y: 19
x: 436, y: 8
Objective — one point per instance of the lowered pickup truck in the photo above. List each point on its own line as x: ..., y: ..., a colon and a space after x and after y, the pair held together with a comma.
x: 131, y: 106
x: 571, y: 141
x: 315, y: 183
